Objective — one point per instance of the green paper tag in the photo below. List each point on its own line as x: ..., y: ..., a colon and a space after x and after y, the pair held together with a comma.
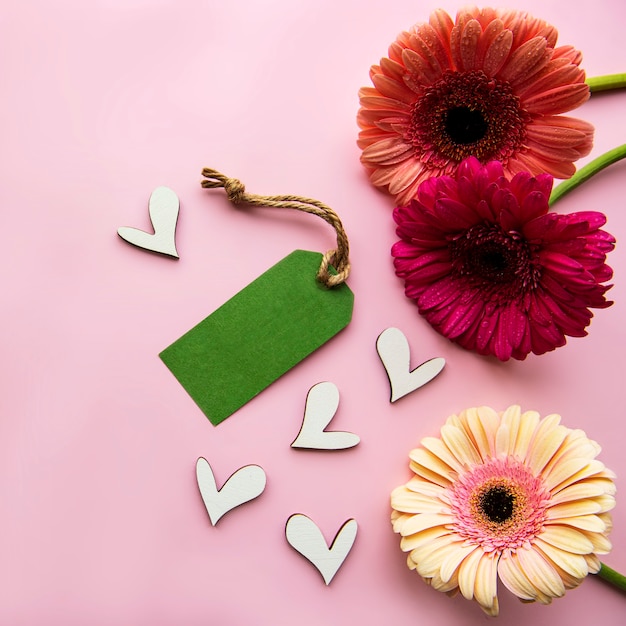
x: 258, y: 335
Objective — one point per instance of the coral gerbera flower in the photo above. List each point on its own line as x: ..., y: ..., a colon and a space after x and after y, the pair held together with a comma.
x: 491, y: 269
x: 508, y: 496
x: 490, y: 85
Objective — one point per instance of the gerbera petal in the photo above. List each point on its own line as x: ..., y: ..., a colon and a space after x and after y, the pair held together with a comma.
x: 418, y: 523
x: 423, y: 71
x: 526, y: 61
x: 440, y: 534
x: 507, y: 431
x: 386, y: 151
x: 468, y: 570
x: 601, y: 543
x: 486, y: 584
x: 547, y: 440
x: 588, y: 523
x: 407, y: 501
x: 558, y: 99
x: 565, y: 471
x: 593, y: 563
x: 460, y: 444
x: 498, y: 52
x: 450, y: 564
x: 573, y: 564
x: 540, y: 572
x: 513, y: 577
x: 567, y: 538
x: 438, y: 448
x: 482, y: 424
x: 432, y: 462
x: 584, y: 489
x: 426, y: 487
x: 576, y: 507
x: 528, y: 422
x: 433, y: 477
x: 428, y: 557
x: 468, y: 48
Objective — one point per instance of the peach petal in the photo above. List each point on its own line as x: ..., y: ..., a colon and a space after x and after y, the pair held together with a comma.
x: 429, y: 558
x: 573, y: 564
x: 589, y: 488
x: 460, y: 444
x: 467, y: 573
x: 427, y: 474
x: 588, y: 523
x: 407, y: 501
x: 507, y: 431
x: 430, y: 461
x: 420, y: 540
x: 593, y: 563
x: 566, y: 471
x: 574, y: 508
x: 513, y: 578
x: 528, y: 422
x: 567, y: 539
x: 486, y: 584
x: 451, y: 563
x: 418, y: 523
x: 540, y: 572
x: 426, y: 487
x: 546, y: 442
x: 438, y: 448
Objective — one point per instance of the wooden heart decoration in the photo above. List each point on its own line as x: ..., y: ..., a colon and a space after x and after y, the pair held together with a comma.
x: 395, y: 354
x: 322, y: 402
x: 163, y: 208
x: 244, y: 485
x: 306, y: 538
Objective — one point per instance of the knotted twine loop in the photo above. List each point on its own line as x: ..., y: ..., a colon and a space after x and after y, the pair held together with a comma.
x: 338, y: 258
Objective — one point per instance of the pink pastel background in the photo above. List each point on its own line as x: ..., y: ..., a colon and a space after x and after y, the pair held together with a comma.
x: 101, y: 521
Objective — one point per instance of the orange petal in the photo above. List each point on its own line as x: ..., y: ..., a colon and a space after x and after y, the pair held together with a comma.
x: 527, y: 60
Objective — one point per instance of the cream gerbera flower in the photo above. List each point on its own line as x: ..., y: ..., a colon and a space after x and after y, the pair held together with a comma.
x: 507, y: 496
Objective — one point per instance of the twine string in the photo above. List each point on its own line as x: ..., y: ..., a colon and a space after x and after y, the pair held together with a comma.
x: 338, y: 258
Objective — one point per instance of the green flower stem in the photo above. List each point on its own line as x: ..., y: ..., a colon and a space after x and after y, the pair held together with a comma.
x: 586, y: 172
x: 606, y: 83
x: 613, y: 577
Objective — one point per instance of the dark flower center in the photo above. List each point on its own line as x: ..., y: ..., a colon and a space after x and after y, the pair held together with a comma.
x: 499, y: 263
x: 464, y: 125
x: 497, y: 504
x: 466, y: 114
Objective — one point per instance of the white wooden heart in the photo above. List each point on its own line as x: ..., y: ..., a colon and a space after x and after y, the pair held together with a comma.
x: 163, y: 208
x: 321, y: 405
x: 244, y: 485
x: 395, y: 354
x: 305, y: 537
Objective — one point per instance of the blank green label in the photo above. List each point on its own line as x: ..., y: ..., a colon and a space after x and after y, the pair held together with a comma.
x: 258, y: 335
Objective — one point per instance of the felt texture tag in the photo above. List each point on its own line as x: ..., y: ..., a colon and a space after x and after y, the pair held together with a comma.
x: 258, y: 335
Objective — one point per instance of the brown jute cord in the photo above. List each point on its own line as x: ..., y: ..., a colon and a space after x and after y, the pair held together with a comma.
x: 339, y: 258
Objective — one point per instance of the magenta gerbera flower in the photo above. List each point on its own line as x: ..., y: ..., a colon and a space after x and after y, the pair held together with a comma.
x: 491, y: 269
x: 492, y: 84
